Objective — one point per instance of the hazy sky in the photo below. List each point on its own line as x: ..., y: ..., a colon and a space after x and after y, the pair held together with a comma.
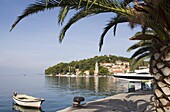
x: 33, y: 45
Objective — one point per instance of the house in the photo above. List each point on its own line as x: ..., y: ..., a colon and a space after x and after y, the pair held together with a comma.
x: 117, y: 67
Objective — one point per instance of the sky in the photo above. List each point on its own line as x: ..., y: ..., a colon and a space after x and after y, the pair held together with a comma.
x: 33, y: 45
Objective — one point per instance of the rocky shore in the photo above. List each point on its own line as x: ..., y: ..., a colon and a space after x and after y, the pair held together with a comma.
x: 139, y: 101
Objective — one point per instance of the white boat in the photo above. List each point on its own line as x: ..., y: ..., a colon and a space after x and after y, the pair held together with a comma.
x: 73, y: 75
x: 25, y: 109
x: 138, y: 74
x: 27, y: 101
x: 142, y: 71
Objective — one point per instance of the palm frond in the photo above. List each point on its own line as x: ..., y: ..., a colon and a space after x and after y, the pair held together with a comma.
x: 42, y: 5
x: 140, y: 44
x: 38, y: 6
x: 62, y: 14
x: 146, y: 13
x: 143, y: 56
x: 141, y: 51
x: 79, y: 3
x: 79, y: 15
x: 112, y: 22
x: 142, y: 37
x: 136, y: 61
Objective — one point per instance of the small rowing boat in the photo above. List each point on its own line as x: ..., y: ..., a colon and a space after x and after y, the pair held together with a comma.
x: 19, y: 108
x: 27, y: 101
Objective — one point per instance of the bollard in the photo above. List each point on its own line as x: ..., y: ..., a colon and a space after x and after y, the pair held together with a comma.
x: 77, y: 100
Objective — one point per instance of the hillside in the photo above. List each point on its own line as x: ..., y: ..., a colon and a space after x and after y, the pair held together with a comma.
x: 83, y: 65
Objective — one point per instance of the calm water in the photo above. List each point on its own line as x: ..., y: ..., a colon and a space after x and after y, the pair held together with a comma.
x: 58, y: 92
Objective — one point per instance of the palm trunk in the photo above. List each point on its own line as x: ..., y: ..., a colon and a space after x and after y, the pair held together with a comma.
x: 160, y: 69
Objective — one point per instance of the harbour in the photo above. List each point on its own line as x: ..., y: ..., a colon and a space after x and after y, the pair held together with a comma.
x: 56, y: 89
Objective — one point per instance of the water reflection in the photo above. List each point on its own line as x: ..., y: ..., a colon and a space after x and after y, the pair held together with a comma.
x: 96, y: 84
x: 86, y: 86
x: 26, y: 109
x: 87, y: 83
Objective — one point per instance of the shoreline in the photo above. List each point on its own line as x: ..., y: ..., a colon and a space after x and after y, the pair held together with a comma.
x: 138, y: 101
x: 75, y: 76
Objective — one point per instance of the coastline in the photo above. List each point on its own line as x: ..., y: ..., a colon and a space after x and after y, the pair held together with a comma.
x: 138, y: 101
x: 74, y: 76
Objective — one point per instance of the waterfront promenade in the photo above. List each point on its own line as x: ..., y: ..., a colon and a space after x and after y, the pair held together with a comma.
x: 139, y: 101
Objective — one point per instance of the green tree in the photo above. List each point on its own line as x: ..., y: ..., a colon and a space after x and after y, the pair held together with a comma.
x: 91, y: 71
x: 82, y: 65
x: 149, y: 14
x: 103, y: 71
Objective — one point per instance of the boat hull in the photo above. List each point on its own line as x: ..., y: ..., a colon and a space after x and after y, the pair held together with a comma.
x: 28, y: 103
x: 19, y: 108
x: 133, y: 76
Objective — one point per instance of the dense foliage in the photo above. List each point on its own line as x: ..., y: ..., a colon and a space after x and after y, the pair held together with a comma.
x: 85, y: 64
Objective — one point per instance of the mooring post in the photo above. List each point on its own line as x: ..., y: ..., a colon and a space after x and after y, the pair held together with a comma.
x: 77, y: 100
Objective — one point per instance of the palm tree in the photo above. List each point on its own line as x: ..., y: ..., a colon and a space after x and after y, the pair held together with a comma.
x: 149, y: 14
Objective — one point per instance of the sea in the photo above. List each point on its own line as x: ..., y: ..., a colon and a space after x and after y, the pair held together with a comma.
x: 58, y: 92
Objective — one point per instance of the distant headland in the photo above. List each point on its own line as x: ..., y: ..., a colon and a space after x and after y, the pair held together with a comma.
x: 104, y: 65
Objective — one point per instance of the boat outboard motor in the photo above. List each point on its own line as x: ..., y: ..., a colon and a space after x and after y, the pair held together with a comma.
x: 77, y: 100
x: 15, y: 93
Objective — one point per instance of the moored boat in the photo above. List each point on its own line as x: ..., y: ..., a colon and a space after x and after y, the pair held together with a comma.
x: 138, y: 74
x: 19, y: 108
x: 27, y: 101
x: 73, y: 75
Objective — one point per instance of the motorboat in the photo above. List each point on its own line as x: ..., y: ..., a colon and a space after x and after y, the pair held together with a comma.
x: 27, y: 101
x: 142, y: 71
x: 142, y: 74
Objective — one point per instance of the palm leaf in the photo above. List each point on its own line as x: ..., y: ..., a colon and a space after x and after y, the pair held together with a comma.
x: 113, y: 22
x: 79, y: 15
x: 136, y: 61
x: 62, y: 14
x: 139, y: 44
x: 143, y: 37
x: 38, y: 6
x: 143, y: 56
x: 43, y: 5
x: 141, y: 51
